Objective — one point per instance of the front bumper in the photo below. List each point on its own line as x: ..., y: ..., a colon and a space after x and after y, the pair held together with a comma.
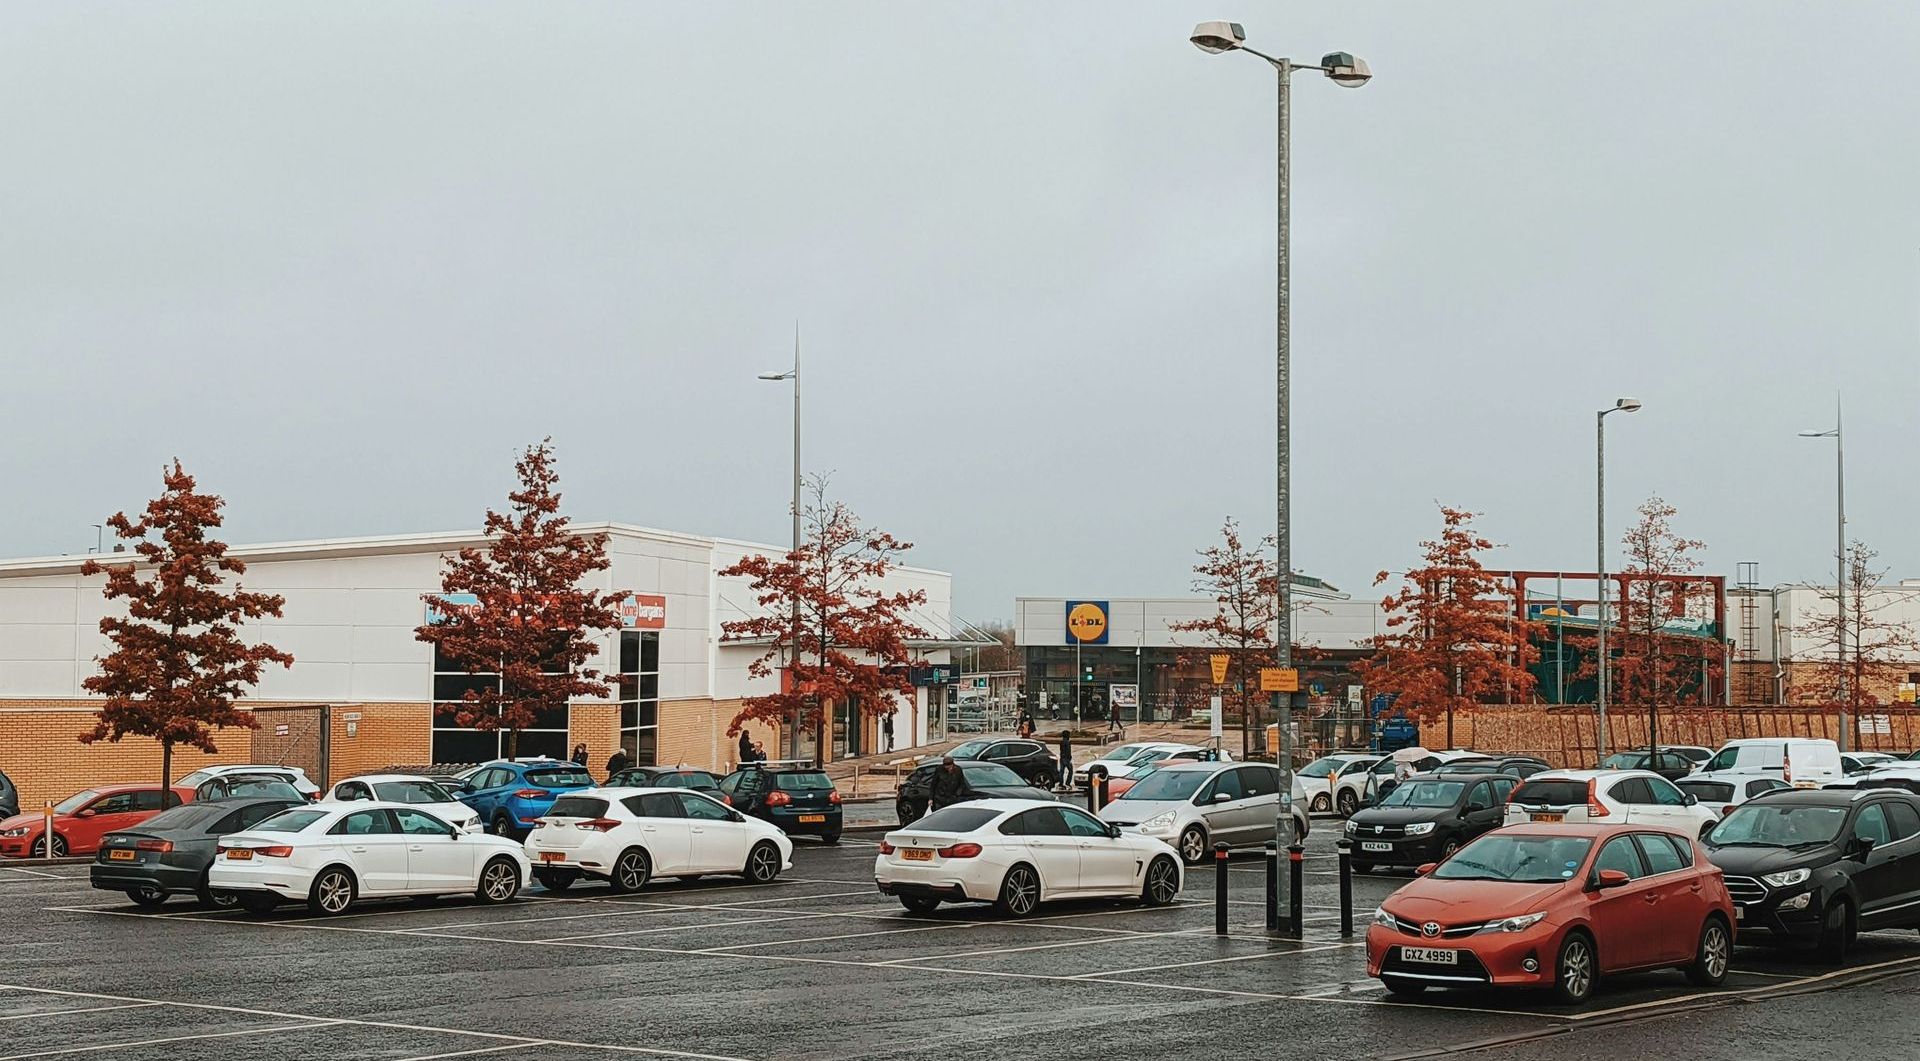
x: 1401, y: 851
x: 1495, y: 959
x: 1799, y: 925
x: 17, y: 846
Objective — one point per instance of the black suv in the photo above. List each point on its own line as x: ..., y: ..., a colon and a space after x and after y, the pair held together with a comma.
x: 1031, y: 759
x: 1426, y: 818
x: 798, y: 797
x: 978, y: 781
x: 1520, y: 766
x: 9, y: 797
x: 1815, y: 866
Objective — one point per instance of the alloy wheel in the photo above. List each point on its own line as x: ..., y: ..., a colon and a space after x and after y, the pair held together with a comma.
x: 763, y: 864
x: 1163, y: 882
x: 501, y: 880
x: 335, y: 892
x: 631, y: 871
x: 59, y: 847
x: 1021, y: 891
x: 1715, y: 951
x: 1576, y: 969
x: 1193, y: 845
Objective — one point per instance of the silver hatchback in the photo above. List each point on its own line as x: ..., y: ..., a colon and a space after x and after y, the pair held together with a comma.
x: 1196, y: 805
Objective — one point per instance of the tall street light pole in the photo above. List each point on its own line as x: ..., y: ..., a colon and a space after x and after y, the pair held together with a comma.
x: 1622, y: 405
x: 1840, y: 559
x: 1345, y: 70
x: 793, y: 647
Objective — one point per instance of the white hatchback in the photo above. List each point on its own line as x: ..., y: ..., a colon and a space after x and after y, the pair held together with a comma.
x: 332, y: 854
x: 1601, y: 797
x: 1018, y: 853
x: 1125, y: 759
x: 413, y: 790
x: 628, y: 836
x: 292, y: 775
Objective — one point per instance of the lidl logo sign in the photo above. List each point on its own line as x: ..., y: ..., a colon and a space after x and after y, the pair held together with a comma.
x: 1087, y: 622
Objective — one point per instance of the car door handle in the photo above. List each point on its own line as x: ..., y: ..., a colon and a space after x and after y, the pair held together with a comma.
x: 1651, y: 898
x: 415, y: 847
x: 362, y: 849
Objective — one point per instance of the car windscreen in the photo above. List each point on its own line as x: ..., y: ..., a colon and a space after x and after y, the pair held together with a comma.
x: 955, y: 820
x: 74, y: 802
x: 1424, y: 794
x: 989, y: 774
x: 579, y: 807
x: 1319, y: 768
x: 802, y: 782
x: 560, y: 777
x: 704, y: 782
x: 970, y: 749
x: 288, y: 821
x: 187, y: 816
x: 1123, y: 752
x: 1778, y: 825
x: 263, y: 787
x: 1623, y: 761
x: 411, y: 792
x: 1520, y: 859
x: 1707, y: 791
x: 1550, y: 793
x: 1168, y: 784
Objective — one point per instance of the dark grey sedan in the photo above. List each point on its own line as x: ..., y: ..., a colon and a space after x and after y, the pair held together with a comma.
x: 168, y: 854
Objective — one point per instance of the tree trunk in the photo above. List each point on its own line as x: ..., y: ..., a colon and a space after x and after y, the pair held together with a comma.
x: 513, y: 743
x: 166, y: 770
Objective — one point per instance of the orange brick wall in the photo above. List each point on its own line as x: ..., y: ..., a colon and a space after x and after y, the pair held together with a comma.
x: 40, y: 751
x: 385, y: 735
x: 694, y: 733
x: 598, y: 725
x: 1568, y: 737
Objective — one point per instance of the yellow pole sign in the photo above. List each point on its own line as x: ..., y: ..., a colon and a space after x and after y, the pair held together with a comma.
x: 1219, y: 660
x: 1279, y: 680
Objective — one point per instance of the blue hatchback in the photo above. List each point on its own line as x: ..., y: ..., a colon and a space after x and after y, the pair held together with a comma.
x: 511, y: 796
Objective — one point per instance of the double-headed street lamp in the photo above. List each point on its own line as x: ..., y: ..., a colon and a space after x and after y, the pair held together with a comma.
x: 1622, y: 405
x: 1840, y: 557
x: 793, y: 648
x: 1348, y: 72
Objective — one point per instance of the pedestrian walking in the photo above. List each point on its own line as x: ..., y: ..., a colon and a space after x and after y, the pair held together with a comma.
x: 1113, y: 718
x: 1066, y: 760
x: 580, y: 754
x: 886, y: 732
x: 617, y: 762
x: 949, y: 784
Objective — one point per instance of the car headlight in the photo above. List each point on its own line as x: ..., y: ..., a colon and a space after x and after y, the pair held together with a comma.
x: 1353, y: 826
x: 1513, y: 924
x: 22, y: 831
x: 1419, y: 828
x: 1159, y: 821
x: 1788, y: 878
x: 1382, y: 918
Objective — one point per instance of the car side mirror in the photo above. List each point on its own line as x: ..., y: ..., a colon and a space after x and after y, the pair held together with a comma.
x: 87, y: 813
x: 736, y: 816
x: 1706, y: 831
x: 1610, y: 878
x: 1222, y: 797
x: 1113, y: 832
x: 466, y: 788
x: 1689, y: 799
x: 1425, y: 868
x: 1862, y: 845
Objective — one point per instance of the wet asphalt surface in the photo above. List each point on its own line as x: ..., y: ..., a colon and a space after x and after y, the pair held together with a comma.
x: 818, y: 965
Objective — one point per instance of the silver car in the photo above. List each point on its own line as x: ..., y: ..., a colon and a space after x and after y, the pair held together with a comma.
x: 1196, y: 805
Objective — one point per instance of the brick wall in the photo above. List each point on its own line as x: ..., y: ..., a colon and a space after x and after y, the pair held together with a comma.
x: 40, y: 751
x: 596, y: 725
x: 1569, y: 737
x: 384, y: 735
x: 694, y: 733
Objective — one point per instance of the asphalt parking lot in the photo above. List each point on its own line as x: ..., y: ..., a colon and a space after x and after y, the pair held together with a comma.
x: 818, y: 965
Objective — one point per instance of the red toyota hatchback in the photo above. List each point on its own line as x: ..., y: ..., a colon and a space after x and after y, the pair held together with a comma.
x: 1555, y: 906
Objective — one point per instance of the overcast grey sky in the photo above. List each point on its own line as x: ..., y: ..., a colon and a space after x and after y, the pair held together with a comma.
x: 345, y: 258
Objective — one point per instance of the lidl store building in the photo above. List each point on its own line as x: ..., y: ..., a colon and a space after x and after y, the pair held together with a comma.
x: 363, y: 691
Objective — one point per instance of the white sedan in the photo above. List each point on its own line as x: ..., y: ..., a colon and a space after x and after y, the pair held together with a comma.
x: 334, y: 853
x: 1018, y: 853
x: 627, y: 836
x: 413, y: 790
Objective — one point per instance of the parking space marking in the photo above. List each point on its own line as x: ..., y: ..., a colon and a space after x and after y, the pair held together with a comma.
x: 69, y: 1012
x: 1218, y: 961
x: 38, y: 874
x: 690, y: 928
x: 844, y: 935
x: 302, y: 1026
x: 472, y: 1052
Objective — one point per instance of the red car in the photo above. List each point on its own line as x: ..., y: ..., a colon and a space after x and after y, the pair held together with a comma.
x: 80, y: 820
x: 1556, y: 906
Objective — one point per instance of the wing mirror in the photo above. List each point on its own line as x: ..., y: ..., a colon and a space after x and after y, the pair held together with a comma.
x: 1689, y: 799
x: 87, y: 813
x: 1425, y: 868
x: 1222, y: 797
x: 1610, y: 878
x: 1862, y: 845
x: 1113, y: 832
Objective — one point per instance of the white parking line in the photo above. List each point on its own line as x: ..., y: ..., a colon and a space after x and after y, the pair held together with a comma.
x: 472, y: 1052
x: 1116, y: 938
x: 844, y: 935
x: 688, y: 928
x: 68, y: 1012
x: 302, y: 1026
x: 1217, y: 961
x: 39, y: 874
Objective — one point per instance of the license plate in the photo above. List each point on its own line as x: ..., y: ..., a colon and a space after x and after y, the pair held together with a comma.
x: 810, y: 819
x: 553, y: 856
x: 1547, y: 817
x: 121, y: 856
x: 239, y: 854
x: 917, y: 854
x: 1375, y: 845
x: 1430, y: 955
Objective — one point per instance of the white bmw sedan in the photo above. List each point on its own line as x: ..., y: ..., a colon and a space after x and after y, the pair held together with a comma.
x: 627, y: 836
x: 412, y: 789
x: 332, y: 854
x: 1018, y: 853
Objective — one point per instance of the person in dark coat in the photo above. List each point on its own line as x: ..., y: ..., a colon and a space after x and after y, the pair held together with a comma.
x: 1066, y: 759
x: 617, y: 762
x: 580, y: 754
x: 949, y: 784
x: 746, y: 748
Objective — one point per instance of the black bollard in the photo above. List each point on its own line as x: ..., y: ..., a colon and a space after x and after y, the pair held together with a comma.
x: 1273, y: 886
x: 1219, y: 889
x: 1296, y: 897
x: 1346, y: 886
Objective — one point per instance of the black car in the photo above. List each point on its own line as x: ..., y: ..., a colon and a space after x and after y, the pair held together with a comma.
x: 1521, y: 766
x: 168, y: 854
x: 1032, y: 760
x: 978, y: 781
x: 1426, y: 818
x: 797, y: 797
x: 1815, y: 866
x: 667, y: 777
x: 1671, y: 765
x: 9, y: 797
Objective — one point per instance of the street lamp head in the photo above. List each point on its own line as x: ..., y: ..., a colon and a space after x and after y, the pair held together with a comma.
x: 1816, y: 434
x: 1216, y: 37
x: 1346, y: 70
x: 1627, y: 405
x: 777, y: 377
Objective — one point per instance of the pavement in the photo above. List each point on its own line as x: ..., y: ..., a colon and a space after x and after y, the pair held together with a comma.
x: 820, y: 966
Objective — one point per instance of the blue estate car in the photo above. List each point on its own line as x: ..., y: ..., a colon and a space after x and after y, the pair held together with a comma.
x: 510, y: 796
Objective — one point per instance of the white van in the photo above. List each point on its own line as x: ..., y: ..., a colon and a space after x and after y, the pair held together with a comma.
x: 1799, y: 761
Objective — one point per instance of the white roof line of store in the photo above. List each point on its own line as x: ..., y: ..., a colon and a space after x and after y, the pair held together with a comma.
x: 781, y: 550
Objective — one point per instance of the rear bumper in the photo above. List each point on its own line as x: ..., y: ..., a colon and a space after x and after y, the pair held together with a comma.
x: 258, y: 875
x: 952, y: 893
x: 788, y: 820
x: 933, y: 882
x: 173, y: 880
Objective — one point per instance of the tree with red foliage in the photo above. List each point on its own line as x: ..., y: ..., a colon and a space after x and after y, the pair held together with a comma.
x: 530, y: 622
x: 1247, y: 607
x: 1653, y: 664
x: 178, y: 661
x: 1858, y: 650
x: 850, y: 638
x: 1454, y: 641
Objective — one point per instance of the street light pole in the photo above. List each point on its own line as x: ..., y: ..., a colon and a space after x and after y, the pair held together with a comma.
x: 1620, y: 405
x: 1840, y: 560
x: 793, y: 647
x: 1349, y: 72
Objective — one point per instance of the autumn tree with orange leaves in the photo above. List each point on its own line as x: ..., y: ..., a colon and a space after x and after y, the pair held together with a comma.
x: 840, y: 637
x: 178, y: 661
x: 529, y: 628
x: 1247, y: 607
x: 1453, y: 640
x: 1653, y: 664
x: 1858, y: 649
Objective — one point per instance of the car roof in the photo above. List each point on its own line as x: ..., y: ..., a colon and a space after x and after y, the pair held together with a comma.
x: 623, y: 791
x: 116, y: 789
x: 1592, y: 829
x: 1828, y: 797
x: 384, y: 777
x: 230, y: 802
x: 1192, y: 766
x: 1591, y: 775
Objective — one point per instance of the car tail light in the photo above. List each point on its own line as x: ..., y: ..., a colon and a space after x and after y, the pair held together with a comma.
x: 532, y: 793
x: 598, y: 825
x: 162, y: 846
x: 960, y: 851
x: 274, y: 852
x: 886, y: 848
x: 778, y: 799
x: 1595, y: 808
x: 834, y: 796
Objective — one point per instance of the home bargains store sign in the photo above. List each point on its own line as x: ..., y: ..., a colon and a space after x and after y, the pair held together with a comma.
x: 637, y: 611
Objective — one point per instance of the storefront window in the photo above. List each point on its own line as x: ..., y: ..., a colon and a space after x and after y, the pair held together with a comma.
x: 454, y: 743
x: 640, y: 696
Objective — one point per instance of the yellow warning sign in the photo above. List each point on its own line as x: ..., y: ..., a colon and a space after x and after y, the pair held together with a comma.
x: 1279, y: 680
x: 1219, y: 661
